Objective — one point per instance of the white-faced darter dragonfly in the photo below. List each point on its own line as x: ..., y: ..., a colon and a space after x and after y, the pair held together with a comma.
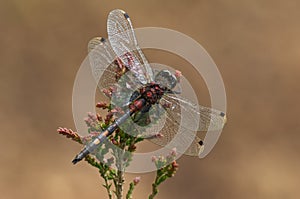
x: 147, y: 90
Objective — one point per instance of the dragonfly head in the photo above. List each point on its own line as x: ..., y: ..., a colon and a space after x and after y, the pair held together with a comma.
x: 166, y: 79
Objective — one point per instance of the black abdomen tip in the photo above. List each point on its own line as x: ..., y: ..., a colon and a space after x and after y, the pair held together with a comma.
x: 75, y: 160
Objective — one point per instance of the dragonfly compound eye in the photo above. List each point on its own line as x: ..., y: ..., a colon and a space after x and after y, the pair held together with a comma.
x: 166, y: 79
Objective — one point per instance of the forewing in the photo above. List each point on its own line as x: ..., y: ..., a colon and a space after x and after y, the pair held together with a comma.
x: 106, y: 68
x: 101, y: 57
x: 124, y: 43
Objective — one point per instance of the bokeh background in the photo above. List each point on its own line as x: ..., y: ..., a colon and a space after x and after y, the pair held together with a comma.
x: 255, y: 45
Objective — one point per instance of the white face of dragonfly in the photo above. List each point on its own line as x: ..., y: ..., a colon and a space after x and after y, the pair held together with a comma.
x: 166, y: 79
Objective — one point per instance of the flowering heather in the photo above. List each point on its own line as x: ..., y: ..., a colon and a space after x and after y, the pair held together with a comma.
x: 128, y: 143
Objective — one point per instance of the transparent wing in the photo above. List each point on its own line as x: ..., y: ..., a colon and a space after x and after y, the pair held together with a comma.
x: 106, y: 67
x: 146, y: 124
x: 101, y: 57
x: 178, y: 107
x: 154, y: 124
x: 124, y: 43
x: 175, y: 135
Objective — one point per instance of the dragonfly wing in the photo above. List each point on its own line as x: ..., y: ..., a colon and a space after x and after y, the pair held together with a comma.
x: 196, y: 117
x: 101, y: 57
x: 176, y: 136
x: 124, y: 43
x: 106, y: 68
x: 163, y: 131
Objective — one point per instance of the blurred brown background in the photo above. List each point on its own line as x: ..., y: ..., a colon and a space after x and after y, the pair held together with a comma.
x: 255, y: 45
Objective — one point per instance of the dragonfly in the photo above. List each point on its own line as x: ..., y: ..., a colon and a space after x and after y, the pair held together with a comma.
x: 144, y: 92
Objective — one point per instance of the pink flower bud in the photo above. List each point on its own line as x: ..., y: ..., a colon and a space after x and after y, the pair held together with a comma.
x: 114, y: 110
x: 107, y: 93
x: 175, y: 165
x: 99, y: 117
x: 112, y: 89
x: 154, y: 158
x: 101, y: 105
x: 114, y: 141
x: 136, y: 180
x: 159, y: 135
x: 178, y: 74
x: 173, y: 152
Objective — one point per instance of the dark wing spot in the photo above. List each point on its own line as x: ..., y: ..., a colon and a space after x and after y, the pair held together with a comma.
x: 222, y: 114
x: 200, y: 142
x: 102, y: 39
x: 126, y: 15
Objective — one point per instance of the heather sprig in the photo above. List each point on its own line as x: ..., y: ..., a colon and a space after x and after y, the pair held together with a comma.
x: 164, y: 170
x: 121, y: 154
x: 112, y: 169
x: 132, y: 185
x: 69, y: 134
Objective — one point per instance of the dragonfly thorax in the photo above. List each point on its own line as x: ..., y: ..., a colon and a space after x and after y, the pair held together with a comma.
x: 152, y: 93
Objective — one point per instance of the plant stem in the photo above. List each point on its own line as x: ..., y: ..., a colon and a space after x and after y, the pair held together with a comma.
x: 119, y: 184
x: 160, y: 177
x: 154, y: 191
x: 107, y: 187
x: 130, y: 190
x: 102, y: 172
x: 154, y: 187
x: 119, y: 180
